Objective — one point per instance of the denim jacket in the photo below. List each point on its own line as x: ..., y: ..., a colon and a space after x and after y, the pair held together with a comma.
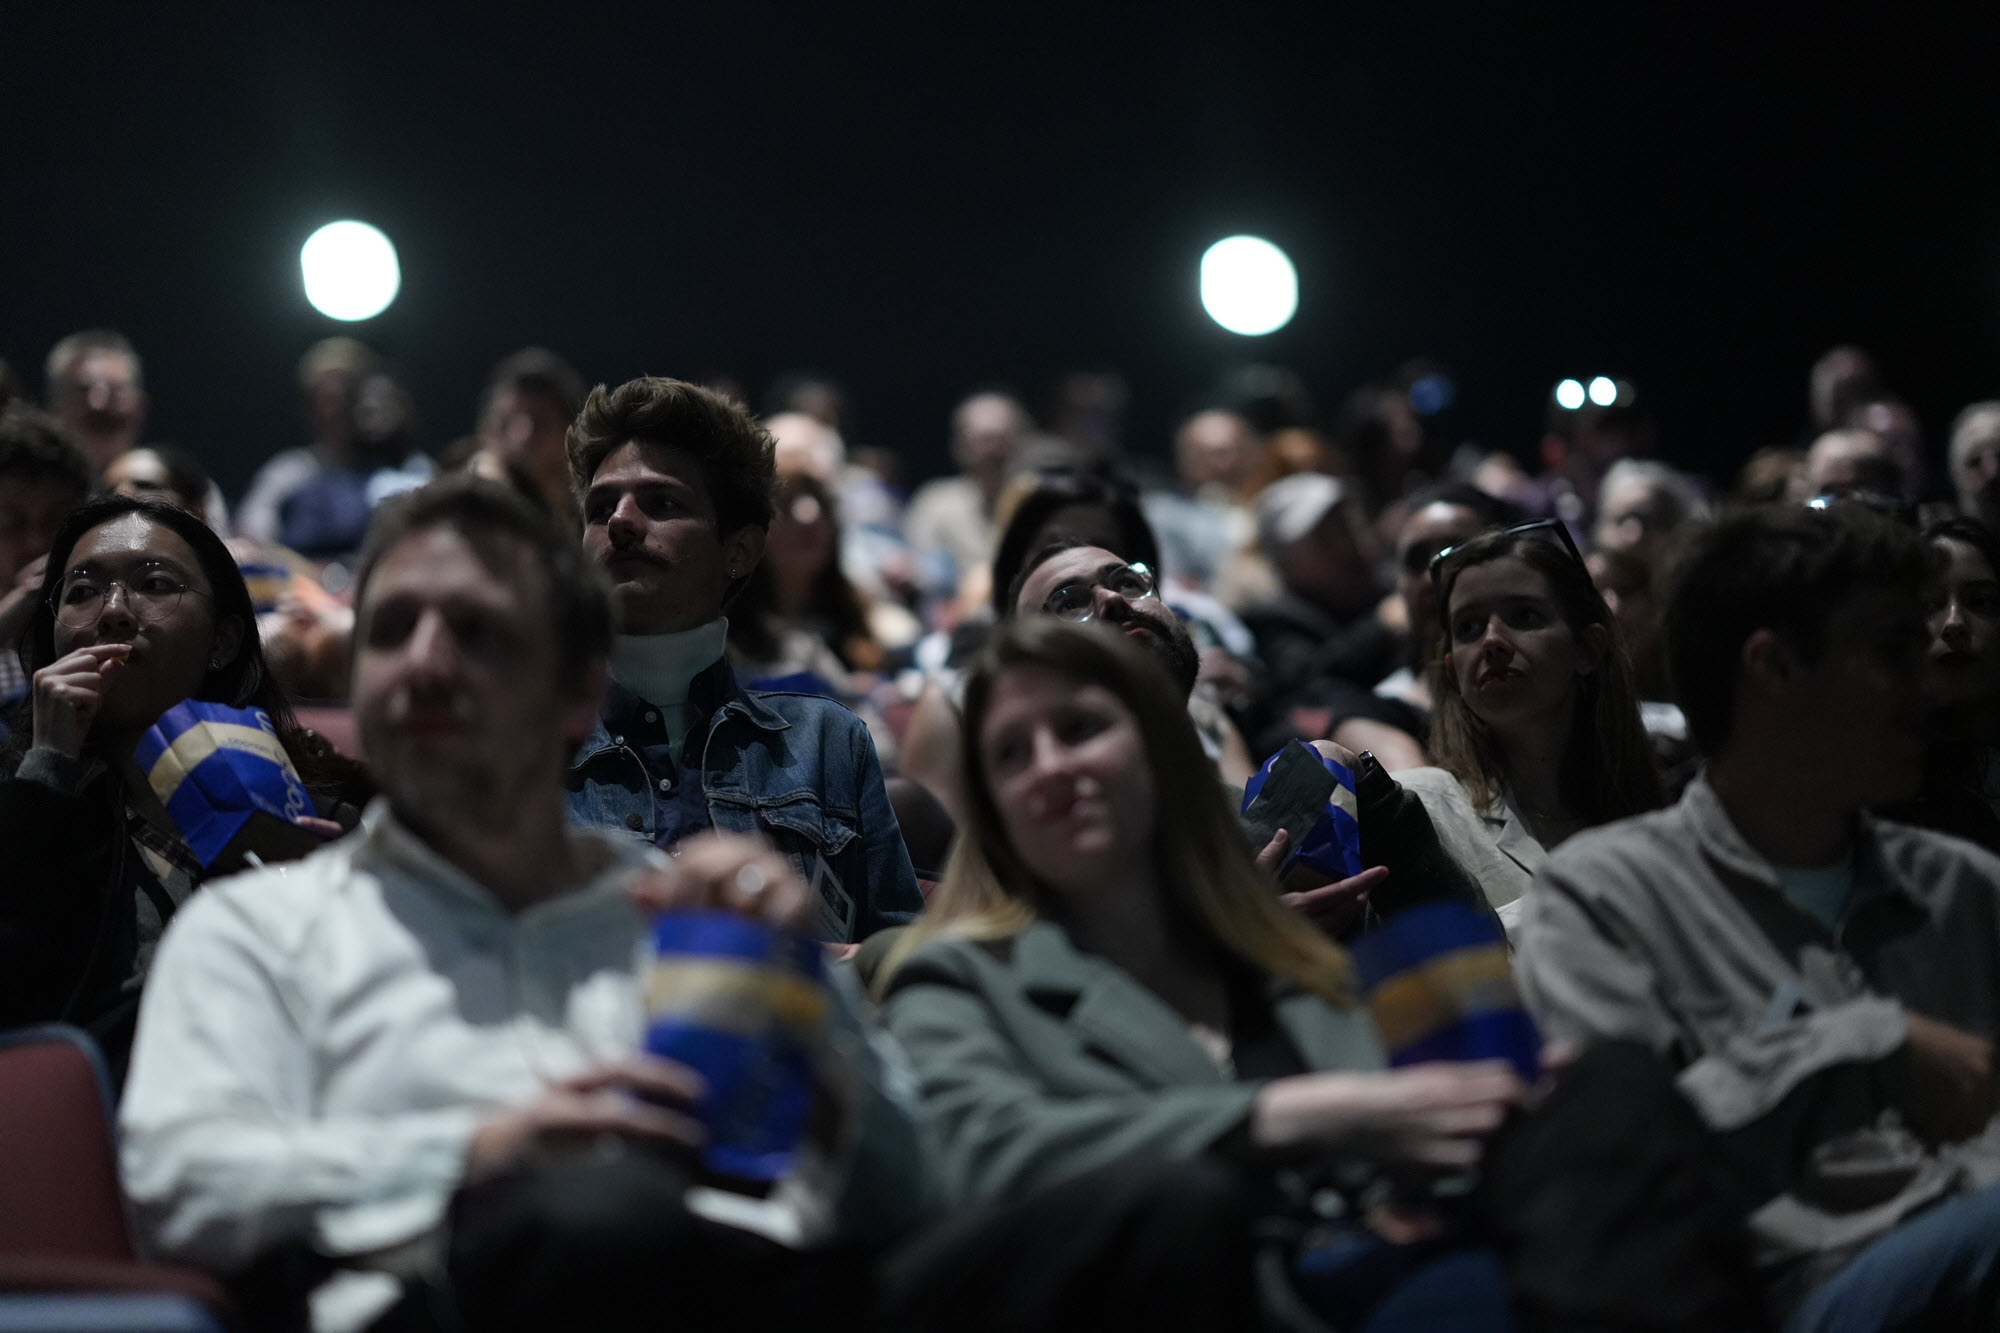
x: 797, y: 768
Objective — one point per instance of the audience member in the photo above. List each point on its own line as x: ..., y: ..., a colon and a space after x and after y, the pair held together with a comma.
x: 799, y: 612
x: 950, y: 521
x: 1206, y: 519
x: 1534, y: 721
x: 1824, y: 981
x: 676, y: 485
x: 1322, y: 645
x: 330, y: 376
x: 161, y: 472
x: 1105, y: 981
x: 1975, y: 463
x: 42, y: 477
x: 1083, y: 509
x: 524, y: 414
x: 1579, y: 447
x: 410, y: 1068
x: 1844, y: 461
x: 140, y: 608
x: 1770, y: 475
x: 95, y: 390
x: 1440, y: 517
x: 1961, y: 788
x: 1894, y: 422
x: 874, y: 558
x: 1643, y: 506
x: 1842, y: 379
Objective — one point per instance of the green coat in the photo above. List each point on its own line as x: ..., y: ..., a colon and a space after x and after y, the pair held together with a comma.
x: 1036, y: 1062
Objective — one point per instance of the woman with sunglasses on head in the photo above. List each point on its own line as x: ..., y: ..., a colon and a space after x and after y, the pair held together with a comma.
x: 1535, y: 724
x: 141, y: 607
x: 1105, y: 1000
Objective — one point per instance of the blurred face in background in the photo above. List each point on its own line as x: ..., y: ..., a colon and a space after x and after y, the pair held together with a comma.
x: 530, y: 428
x: 1216, y: 449
x: 1425, y: 533
x: 1333, y: 564
x: 1633, y: 514
x: 97, y: 398
x: 31, y: 509
x: 144, y: 475
x: 987, y: 431
x: 1975, y: 465
x: 802, y: 542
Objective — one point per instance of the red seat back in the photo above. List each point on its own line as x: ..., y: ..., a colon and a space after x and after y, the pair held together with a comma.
x: 59, y: 1192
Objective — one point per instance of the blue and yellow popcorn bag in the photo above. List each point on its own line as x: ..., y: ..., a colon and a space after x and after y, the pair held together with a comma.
x: 745, y: 1004
x: 1332, y: 845
x: 225, y: 778
x: 1440, y: 984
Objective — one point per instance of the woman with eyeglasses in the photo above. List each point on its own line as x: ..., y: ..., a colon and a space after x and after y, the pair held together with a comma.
x: 1083, y: 508
x: 141, y: 607
x: 1535, y: 723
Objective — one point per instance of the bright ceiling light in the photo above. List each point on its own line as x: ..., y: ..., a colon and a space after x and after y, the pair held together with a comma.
x: 350, y: 270
x: 1248, y: 286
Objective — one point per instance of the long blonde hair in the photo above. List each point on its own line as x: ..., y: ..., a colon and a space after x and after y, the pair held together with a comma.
x: 1209, y: 880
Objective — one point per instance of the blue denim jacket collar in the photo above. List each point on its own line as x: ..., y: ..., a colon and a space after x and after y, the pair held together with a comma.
x: 714, y: 691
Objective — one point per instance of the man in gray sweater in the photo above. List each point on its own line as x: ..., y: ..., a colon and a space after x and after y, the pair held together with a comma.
x: 1826, y: 984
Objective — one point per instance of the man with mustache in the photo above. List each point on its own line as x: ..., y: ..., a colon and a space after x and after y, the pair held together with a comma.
x: 675, y: 483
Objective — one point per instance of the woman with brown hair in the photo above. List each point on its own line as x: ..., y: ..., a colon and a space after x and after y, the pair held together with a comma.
x: 1535, y: 723
x: 1104, y: 976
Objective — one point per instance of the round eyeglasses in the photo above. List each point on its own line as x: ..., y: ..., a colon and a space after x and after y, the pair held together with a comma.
x: 150, y: 595
x: 1077, y: 600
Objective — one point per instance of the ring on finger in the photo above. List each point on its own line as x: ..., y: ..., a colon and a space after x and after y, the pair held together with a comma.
x: 751, y: 880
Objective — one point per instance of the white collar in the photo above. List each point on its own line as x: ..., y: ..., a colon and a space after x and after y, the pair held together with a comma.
x: 660, y: 668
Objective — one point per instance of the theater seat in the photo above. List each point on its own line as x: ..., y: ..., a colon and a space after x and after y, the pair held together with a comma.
x: 66, y: 1256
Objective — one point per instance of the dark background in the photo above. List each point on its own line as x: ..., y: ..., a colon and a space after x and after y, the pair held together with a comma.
x: 919, y: 200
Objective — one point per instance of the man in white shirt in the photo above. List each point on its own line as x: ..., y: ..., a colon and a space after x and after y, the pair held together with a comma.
x: 388, y: 1056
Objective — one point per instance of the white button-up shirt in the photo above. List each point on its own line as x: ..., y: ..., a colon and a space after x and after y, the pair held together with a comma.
x: 318, y: 1042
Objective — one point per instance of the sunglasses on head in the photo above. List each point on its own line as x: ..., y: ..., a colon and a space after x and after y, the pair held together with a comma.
x: 1546, y: 527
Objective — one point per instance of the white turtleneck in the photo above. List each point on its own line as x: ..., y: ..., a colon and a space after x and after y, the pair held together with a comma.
x: 659, y: 668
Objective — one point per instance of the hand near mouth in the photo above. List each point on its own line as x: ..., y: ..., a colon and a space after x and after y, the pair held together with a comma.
x: 69, y: 691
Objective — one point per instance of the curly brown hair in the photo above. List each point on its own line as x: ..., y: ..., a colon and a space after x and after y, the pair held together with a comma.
x: 736, y: 454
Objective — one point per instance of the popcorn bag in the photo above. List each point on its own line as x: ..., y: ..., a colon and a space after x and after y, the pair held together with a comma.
x: 1297, y: 785
x: 228, y: 784
x: 1440, y: 984
x: 744, y: 1003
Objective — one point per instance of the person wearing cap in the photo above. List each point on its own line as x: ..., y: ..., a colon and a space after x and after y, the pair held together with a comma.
x: 1319, y: 638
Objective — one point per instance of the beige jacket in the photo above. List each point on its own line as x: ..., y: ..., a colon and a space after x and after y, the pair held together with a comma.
x: 1492, y: 845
